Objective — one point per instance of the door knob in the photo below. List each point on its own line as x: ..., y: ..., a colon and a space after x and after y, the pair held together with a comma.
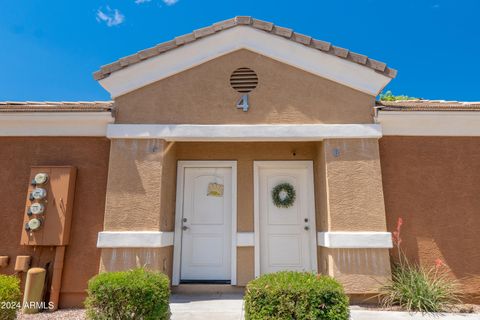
x: 184, y: 228
x: 306, y: 228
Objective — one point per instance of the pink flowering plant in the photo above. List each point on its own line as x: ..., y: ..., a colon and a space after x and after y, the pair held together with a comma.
x: 418, y: 288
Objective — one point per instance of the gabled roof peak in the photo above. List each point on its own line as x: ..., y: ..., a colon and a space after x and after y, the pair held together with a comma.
x: 265, y: 26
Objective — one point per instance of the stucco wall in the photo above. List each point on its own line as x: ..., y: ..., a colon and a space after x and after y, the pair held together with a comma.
x: 90, y: 156
x: 351, y: 189
x: 354, y: 185
x: 433, y: 183
x: 141, y: 186
x: 202, y: 95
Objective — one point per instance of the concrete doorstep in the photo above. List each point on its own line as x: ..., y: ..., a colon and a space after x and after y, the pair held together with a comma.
x: 229, y: 306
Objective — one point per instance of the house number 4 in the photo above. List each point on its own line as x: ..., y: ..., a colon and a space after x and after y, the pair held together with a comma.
x: 243, y: 103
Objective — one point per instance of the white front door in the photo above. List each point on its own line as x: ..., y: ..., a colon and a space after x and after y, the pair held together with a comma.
x: 287, y: 235
x: 206, y: 224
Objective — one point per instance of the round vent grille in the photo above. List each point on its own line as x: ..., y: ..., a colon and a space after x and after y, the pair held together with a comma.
x: 244, y: 80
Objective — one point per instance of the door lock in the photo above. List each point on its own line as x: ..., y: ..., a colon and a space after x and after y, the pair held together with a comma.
x: 184, y: 219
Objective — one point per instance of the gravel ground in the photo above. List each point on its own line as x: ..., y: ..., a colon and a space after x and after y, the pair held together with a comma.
x: 71, y: 314
x: 79, y: 314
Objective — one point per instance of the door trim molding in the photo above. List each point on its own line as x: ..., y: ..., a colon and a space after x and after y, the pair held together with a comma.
x: 177, y: 243
x: 257, y: 165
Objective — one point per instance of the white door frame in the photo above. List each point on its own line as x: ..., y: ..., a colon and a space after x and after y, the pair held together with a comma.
x: 257, y: 165
x: 177, y: 243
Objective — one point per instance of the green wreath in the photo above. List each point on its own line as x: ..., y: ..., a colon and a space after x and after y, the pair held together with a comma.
x: 283, y: 195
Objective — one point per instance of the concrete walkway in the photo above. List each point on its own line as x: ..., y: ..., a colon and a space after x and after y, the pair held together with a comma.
x: 225, y: 306
x: 229, y: 306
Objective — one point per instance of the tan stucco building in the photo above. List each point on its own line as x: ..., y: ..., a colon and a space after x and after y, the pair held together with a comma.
x: 179, y: 172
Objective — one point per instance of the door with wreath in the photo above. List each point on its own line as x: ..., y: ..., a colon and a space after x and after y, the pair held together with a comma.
x: 286, y: 216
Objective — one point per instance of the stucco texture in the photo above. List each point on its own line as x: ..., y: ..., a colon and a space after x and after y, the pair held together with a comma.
x: 142, y: 181
x: 351, y: 199
x: 90, y: 157
x: 203, y: 95
x: 120, y: 259
x: 141, y: 186
x: 353, y: 185
x: 433, y: 183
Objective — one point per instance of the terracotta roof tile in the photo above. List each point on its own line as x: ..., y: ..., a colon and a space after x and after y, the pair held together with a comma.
x: 56, y: 106
x: 321, y: 45
x: 200, y: 33
x: 225, y: 24
x: 186, y: 38
x: 377, y: 65
x: 263, y: 25
x: 281, y: 31
x: 339, y: 52
x: 266, y: 26
x: 427, y: 105
x: 301, y: 38
x: 358, y: 58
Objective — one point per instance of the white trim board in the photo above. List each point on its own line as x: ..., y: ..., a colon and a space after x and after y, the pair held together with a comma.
x: 134, y: 239
x: 430, y: 123
x: 360, y: 240
x: 243, y: 132
x: 177, y: 244
x: 202, y: 50
x: 245, y: 239
x: 58, y: 124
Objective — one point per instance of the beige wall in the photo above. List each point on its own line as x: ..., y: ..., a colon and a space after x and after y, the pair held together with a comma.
x: 354, y: 185
x: 352, y: 200
x: 202, y: 95
x: 118, y: 259
x: 90, y: 157
x: 348, y: 196
x: 141, y: 186
x: 433, y: 183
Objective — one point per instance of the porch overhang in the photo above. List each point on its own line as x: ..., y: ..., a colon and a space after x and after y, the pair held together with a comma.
x: 244, y: 132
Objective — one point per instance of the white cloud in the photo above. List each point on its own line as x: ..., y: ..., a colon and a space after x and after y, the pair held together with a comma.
x: 141, y: 1
x: 170, y: 2
x: 112, y: 17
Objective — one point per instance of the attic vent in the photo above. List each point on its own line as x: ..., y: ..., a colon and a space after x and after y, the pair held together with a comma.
x: 244, y: 80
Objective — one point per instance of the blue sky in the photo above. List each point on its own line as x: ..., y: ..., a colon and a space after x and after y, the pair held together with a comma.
x: 49, y: 49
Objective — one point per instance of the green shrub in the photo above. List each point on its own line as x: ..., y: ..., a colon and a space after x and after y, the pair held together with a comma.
x: 388, y: 96
x: 295, y: 295
x: 416, y: 288
x: 10, y: 296
x: 133, y: 294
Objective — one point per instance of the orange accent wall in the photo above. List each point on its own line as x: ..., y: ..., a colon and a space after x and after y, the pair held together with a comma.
x: 433, y: 183
x: 90, y: 157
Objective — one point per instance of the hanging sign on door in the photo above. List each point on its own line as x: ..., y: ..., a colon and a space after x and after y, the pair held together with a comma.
x: 215, y: 189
